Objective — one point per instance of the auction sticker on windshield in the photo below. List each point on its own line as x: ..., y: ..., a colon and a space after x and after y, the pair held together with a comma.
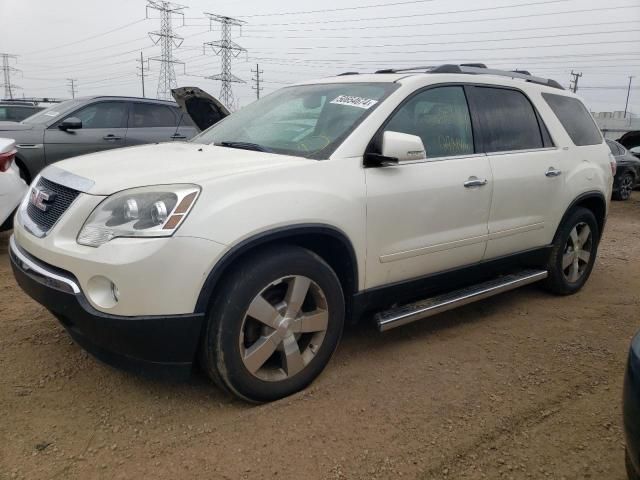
x: 359, y: 102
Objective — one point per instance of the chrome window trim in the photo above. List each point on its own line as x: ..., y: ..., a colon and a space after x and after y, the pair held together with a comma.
x: 528, y: 150
x: 441, y: 159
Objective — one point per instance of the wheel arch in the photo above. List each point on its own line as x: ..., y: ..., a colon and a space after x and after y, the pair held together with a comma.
x: 595, y: 202
x: 329, y: 242
x: 24, y: 169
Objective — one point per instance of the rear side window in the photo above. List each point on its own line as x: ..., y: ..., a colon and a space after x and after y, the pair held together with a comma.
x: 575, y: 119
x: 507, y: 120
x: 146, y: 115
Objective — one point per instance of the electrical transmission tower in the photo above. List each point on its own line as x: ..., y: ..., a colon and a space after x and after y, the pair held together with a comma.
x: 167, y: 41
x: 73, y: 86
x: 7, y: 70
x: 256, y: 79
x: 226, y: 49
x: 573, y: 86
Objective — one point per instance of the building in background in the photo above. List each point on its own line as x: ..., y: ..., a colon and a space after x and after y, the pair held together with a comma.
x: 615, y: 124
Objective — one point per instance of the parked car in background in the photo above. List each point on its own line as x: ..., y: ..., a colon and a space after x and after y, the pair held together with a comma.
x: 627, y: 171
x: 631, y: 141
x: 16, y: 111
x: 404, y: 192
x: 12, y: 187
x: 631, y: 410
x: 92, y: 124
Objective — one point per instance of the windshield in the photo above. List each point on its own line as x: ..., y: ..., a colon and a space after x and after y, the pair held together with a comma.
x: 308, y: 120
x: 52, y: 113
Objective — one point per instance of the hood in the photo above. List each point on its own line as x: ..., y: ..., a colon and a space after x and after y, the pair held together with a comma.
x: 14, y: 127
x: 166, y: 163
x: 203, y: 109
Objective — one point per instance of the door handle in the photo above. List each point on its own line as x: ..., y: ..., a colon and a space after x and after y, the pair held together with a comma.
x: 552, y: 172
x: 178, y: 135
x: 475, y: 182
x: 111, y: 137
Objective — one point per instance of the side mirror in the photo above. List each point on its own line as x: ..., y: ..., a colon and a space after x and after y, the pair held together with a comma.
x: 71, y: 123
x: 397, y: 148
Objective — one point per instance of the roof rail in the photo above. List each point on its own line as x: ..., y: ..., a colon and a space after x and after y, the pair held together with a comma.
x: 479, y: 69
x: 347, y: 73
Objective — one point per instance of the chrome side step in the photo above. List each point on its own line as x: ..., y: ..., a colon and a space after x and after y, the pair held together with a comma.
x: 397, y: 316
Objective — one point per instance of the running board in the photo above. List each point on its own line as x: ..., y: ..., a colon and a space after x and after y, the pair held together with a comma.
x: 397, y: 316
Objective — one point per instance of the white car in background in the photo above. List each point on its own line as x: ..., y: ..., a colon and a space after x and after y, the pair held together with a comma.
x: 12, y: 187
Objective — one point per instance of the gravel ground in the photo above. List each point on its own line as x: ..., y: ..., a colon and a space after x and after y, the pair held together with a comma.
x: 524, y: 385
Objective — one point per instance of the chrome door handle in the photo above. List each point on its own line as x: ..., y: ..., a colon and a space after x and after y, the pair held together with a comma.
x: 475, y: 182
x: 552, y: 172
x: 177, y: 135
x: 111, y: 137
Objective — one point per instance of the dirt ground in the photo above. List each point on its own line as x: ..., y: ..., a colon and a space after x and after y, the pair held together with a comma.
x: 524, y: 385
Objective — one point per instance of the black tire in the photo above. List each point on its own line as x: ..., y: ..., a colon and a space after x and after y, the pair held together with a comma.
x: 624, y: 187
x: 558, y: 282
x: 226, y: 336
x: 631, y: 471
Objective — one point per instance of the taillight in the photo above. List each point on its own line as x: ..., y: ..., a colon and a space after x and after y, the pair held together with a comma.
x: 6, y: 159
x: 614, y: 165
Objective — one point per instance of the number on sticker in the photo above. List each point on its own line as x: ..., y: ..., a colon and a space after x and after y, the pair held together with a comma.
x: 352, y: 101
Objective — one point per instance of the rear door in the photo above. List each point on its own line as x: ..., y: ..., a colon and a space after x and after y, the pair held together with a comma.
x: 151, y: 123
x: 526, y: 166
x: 430, y: 215
x: 104, y: 126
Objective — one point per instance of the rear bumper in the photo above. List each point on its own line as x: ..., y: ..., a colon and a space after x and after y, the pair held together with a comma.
x: 631, y: 409
x: 158, y: 346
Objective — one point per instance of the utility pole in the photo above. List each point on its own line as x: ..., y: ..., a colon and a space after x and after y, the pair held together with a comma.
x: 141, y: 74
x: 7, y: 69
x: 256, y: 79
x: 626, y: 105
x: 167, y: 41
x: 73, y: 87
x: 226, y: 49
x: 574, y: 81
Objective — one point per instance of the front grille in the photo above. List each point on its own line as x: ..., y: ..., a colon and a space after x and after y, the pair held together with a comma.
x: 64, y: 196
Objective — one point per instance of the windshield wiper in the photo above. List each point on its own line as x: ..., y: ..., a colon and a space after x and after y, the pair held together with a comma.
x: 244, y: 146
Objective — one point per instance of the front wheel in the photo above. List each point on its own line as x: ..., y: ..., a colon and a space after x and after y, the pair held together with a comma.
x: 274, y: 325
x: 573, y: 253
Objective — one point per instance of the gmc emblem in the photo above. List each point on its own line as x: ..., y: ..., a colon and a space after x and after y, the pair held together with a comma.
x: 42, y: 198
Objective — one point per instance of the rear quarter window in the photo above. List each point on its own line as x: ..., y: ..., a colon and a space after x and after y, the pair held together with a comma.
x: 575, y: 118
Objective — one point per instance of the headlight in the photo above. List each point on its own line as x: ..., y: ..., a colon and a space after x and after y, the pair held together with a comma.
x: 155, y: 211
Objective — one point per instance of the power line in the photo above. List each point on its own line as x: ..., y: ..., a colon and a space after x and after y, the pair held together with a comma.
x: 226, y: 49
x: 450, y: 22
x: 82, y: 40
x: 7, y: 70
x: 342, y: 9
x: 257, y: 79
x: 167, y: 41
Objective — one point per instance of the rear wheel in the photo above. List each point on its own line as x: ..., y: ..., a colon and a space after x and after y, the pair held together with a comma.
x: 624, y: 187
x: 274, y: 325
x: 573, y: 253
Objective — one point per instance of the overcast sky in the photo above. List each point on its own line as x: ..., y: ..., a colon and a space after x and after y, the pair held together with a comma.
x: 54, y: 42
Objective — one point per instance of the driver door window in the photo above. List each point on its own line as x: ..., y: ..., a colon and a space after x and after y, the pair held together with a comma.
x: 440, y: 117
x: 103, y: 115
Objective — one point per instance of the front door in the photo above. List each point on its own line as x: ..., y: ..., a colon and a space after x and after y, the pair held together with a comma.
x: 104, y: 126
x: 431, y: 215
x: 527, y: 170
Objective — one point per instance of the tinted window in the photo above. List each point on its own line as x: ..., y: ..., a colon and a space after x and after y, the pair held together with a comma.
x: 575, y: 119
x: 184, y: 119
x: 440, y: 117
x: 145, y: 115
x: 103, y: 115
x: 507, y: 119
x: 16, y: 113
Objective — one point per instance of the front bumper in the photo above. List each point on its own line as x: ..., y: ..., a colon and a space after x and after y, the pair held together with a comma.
x: 160, y: 346
x: 631, y: 407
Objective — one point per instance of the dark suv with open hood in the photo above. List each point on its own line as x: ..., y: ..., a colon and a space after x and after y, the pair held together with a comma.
x: 91, y: 124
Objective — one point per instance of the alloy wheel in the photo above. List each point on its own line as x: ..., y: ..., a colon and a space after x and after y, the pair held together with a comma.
x: 577, y: 252
x: 626, y: 187
x: 283, y: 328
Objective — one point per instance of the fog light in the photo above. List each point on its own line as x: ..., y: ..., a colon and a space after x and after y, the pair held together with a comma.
x: 102, y: 292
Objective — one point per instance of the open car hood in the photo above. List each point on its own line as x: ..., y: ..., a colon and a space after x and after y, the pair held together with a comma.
x: 203, y: 109
x: 630, y: 139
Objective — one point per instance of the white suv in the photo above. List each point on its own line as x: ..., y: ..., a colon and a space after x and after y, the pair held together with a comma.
x: 398, y: 194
